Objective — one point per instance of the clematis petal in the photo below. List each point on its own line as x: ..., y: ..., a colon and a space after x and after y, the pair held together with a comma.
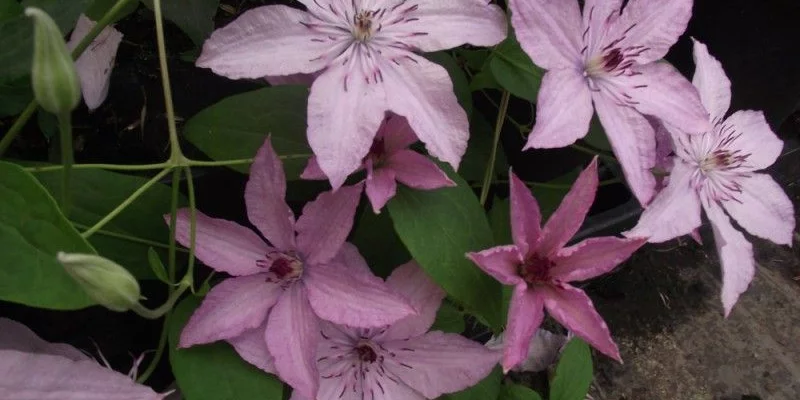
x: 711, y: 82
x: 674, y: 212
x: 735, y: 255
x: 525, y: 315
x: 437, y: 363
x: 49, y: 377
x: 222, y: 245
x: 755, y: 138
x: 293, y: 79
x: 249, y: 46
x: 661, y: 91
x: 292, y: 336
x: 95, y: 64
x: 232, y: 307
x: 569, y: 215
x: 763, y: 209
x: 549, y: 31
x: 593, y: 257
x: 313, y: 171
x: 348, y: 295
x: 423, y: 294
x: 422, y: 92
x: 633, y: 141
x: 563, y: 110
x: 340, y: 132
x: 380, y: 187
x: 16, y: 336
x: 396, y: 133
x: 326, y: 222
x: 264, y: 197
x: 500, y: 262
x: 252, y: 347
x: 526, y: 219
x: 417, y: 171
x: 574, y: 309
x: 655, y: 26
x: 442, y: 25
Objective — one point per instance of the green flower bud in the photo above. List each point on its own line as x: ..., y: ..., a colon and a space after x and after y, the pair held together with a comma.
x: 53, y: 75
x: 105, y: 281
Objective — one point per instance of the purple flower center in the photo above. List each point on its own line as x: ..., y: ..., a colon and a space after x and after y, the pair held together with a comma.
x: 362, y: 25
x: 536, y: 269
x: 281, y: 267
x: 366, y: 353
x: 377, y: 153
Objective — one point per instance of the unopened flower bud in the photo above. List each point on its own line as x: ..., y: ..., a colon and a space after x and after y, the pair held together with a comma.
x: 53, y: 75
x: 105, y: 281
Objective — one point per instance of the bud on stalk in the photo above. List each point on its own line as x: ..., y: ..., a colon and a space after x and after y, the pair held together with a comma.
x: 105, y: 281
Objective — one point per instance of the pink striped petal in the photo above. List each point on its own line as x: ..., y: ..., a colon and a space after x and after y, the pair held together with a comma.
x: 757, y: 139
x: 94, y: 66
x: 252, y: 347
x: 763, y: 209
x: 711, y: 82
x: 549, y: 31
x: 525, y: 315
x: 593, y: 257
x: 501, y: 262
x: 526, y: 219
x: 655, y: 26
x: 380, y: 187
x: 396, y: 133
x: 417, y: 171
x: 326, y: 222
x: 264, y: 197
x: 563, y: 110
x: 411, y: 281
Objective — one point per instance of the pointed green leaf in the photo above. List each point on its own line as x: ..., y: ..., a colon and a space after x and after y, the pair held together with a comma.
x: 215, y: 371
x: 32, y: 232
x: 515, y: 71
x: 574, y: 372
x: 237, y: 126
x: 487, y: 389
x: 438, y: 228
x: 449, y: 319
x: 156, y: 265
x: 194, y: 17
x: 518, y: 392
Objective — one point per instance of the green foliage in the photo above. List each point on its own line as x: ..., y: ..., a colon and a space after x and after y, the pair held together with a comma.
x: 574, y: 372
x: 376, y: 240
x: 514, y: 70
x: 32, y: 232
x: 449, y: 319
x: 488, y: 388
x: 215, y: 371
x: 518, y: 392
x: 95, y: 193
x: 438, y: 228
x: 237, y: 126
x: 194, y: 17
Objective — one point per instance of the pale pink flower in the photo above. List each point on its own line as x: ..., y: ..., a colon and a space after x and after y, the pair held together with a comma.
x: 608, y: 56
x: 95, y: 64
x: 540, y: 267
x: 280, y: 288
x: 390, y: 161
x: 31, y: 368
x: 543, y: 350
x: 717, y: 170
x: 403, y: 360
x: 366, y: 52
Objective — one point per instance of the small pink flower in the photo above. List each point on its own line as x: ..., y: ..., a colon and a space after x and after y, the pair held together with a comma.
x: 31, y: 368
x: 718, y: 172
x: 269, y: 309
x: 608, y: 56
x: 390, y: 161
x: 366, y: 54
x: 540, y: 268
x: 402, y: 360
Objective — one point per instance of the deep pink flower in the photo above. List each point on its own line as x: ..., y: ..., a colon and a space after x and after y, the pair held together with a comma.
x: 366, y: 50
x: 390, y: 161
x: 279, y: 288
x: 608, y: 57
x: 31, y: 368
x: 95, y: 64
x: 403, y: 360
x: 717, y: 170
x: 540, y: 267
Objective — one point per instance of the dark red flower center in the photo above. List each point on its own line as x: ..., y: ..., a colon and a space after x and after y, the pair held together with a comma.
x: 366, y: 353
x: 536, y: 269
x: 281, y: 267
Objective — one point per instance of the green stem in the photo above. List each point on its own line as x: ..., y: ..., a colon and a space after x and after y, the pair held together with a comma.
x: 593, y: 152
x: 176, y: 154
x: 501, y: 117
x: 192, y: 223
x: 17, y: 127
x: 65, y: 128
x: 173, y: 221
x: 159, y: 312
x: 162, y: 344
x: 112, y: 167
x: 79, y: 49
x: 125, y: 203
x: 122, y: 236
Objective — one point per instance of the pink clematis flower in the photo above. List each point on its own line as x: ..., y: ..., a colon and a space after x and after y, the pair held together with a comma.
x: 365, y: 50
x: 278, y: 290
x: 390, y: 161
x: 400, y: 361
x: 608, y: 57
x: 95, y: 64
x: 540, y: 267
x: 31, y: 368
x: 717, y: 170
